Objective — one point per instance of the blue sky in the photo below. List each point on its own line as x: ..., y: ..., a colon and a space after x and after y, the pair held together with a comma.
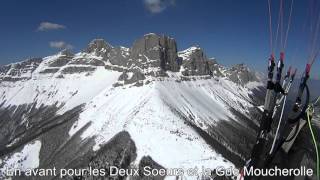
x: 233, y: 31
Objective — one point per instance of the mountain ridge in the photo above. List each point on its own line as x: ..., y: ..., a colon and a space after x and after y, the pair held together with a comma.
x: 171, y: 112
x: 138, y: 60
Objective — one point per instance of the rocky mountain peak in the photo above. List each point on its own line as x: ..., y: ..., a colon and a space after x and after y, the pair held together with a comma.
x: 195, y: 62
x: 159, y: 51
x: 241, y: 74
x: 199, y: 55
x: 185, y: 54
x: 98, y: 46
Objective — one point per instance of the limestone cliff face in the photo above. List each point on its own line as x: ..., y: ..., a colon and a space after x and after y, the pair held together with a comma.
x: 195, y: 63
x: 157, y: 51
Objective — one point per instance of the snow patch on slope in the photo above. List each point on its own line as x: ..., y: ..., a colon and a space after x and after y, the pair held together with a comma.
x: 27, y: 158
x: 69, y: 91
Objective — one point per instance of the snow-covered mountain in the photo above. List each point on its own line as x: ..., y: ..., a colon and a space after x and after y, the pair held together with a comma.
x: 129, y: 107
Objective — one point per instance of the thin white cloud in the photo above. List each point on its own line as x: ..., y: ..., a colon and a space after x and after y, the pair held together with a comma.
x: 60, y: 45
x: 47, y: 26
x: 157, y: 6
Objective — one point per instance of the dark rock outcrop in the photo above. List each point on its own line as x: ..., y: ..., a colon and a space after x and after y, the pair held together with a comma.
x: 148, y: 162
x: 241, y: 74
x: 20, y: 70
x: 119, y: 56
x: 77, y: 69
x: 156, y: 51
x: 131, y: 76
x: 99, y: 47
x: 120, y: 151
x: 196, y: 63
x: 60, y: 61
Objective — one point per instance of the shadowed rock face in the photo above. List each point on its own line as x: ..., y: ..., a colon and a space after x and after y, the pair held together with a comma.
x: 147, y: 161
x: 119, y: 56
x: 241, y: 74
x: 65, y: 56
x: 120, y: 151
x: 131, y: 77
x: 99, y: 47
x: 59, y: 62
x: 28, y: 123
x: 72, y: 70
x: 198, y: 64
x: 159, y: 51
